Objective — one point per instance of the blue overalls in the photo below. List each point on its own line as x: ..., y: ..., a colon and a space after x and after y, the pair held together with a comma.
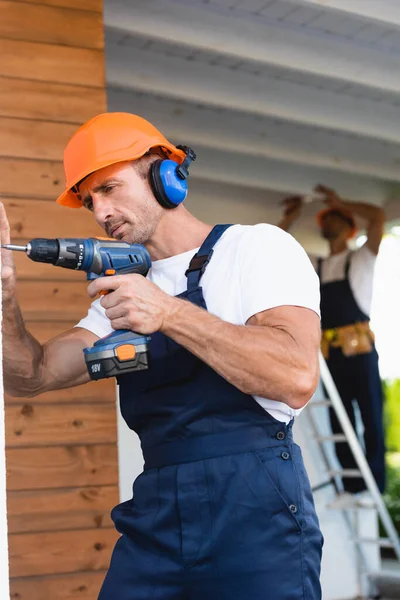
x: 223, y: 509
x: 356, y: 378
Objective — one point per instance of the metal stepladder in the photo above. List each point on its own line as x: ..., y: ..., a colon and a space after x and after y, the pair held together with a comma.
x: 368, y: 582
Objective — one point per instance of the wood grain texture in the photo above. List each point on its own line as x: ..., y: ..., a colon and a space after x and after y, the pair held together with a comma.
x: 27, y: 138
x: 80, y: 66
x: 63, y: 509
x: 39, y: 218
x: 49, y: 101
x: 61, y: 466
x: 94, y: 392
x: 38, y: 179
x: 92, y: 5
x: 52, y: 425
x: 73, y: 586
x: 54, y: 301
x: 51, y: 24
x: 43, y: 331
x: 60, y: 551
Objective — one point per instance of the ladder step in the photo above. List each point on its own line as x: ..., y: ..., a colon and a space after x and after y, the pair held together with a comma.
x: 335, y: 437
x: 345, y: 473
x: 320, y: 403
x: 382, y: 542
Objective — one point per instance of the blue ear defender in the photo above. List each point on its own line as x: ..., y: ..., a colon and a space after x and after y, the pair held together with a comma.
x: 168, y: 179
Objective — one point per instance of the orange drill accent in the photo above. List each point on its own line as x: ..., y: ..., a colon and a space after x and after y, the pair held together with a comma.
x: 110, y: 272
x: 125, y: 352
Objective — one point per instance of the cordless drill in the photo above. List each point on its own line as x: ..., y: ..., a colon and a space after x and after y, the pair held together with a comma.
x: 122, y: 351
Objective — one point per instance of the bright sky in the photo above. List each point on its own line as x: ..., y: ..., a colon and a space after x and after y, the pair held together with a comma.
x: 385, y: 313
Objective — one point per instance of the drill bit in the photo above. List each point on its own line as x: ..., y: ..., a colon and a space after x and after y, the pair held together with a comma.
x: 13, y: 247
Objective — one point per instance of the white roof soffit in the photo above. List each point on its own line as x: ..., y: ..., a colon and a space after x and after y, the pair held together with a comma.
x: 273, y: 94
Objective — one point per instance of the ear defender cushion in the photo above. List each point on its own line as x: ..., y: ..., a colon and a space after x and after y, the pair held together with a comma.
x: 168, y: 188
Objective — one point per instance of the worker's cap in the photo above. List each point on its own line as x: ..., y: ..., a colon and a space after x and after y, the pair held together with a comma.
x: 107, y: 139
x: 342, y: 213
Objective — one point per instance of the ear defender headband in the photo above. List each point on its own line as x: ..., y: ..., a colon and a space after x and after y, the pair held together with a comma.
x: 168, y: 179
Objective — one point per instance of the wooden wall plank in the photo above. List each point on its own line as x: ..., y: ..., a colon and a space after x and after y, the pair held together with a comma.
x: 52, y: 25
x: 39, y: 179
x: 44, y: 140
x: 80, y: 66
x: 74, y: 586
x: 49, y: 101
x: 94, y: 392
x: 39, y: 218
x: 51, y: 425
x: 60, y: 552
x: 51, y: 301
x: 43, y: 331
x: 61, y: 466
x: 92, y: 5
x: 60, y: 510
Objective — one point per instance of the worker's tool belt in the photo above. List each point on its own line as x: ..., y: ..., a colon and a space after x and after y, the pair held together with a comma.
x: 353, y: 339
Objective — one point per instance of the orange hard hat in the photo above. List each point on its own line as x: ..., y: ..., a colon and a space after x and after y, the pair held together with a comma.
x: 107, y: 139
x: 345, y: 214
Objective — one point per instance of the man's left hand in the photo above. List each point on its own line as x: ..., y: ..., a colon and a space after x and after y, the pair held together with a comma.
x: 330, y: 197
x: 133, y: 303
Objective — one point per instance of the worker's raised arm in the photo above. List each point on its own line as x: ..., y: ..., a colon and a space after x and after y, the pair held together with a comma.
x: 30, y: 368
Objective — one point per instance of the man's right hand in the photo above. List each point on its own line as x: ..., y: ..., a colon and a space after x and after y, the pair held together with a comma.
x: 292, y: 208
x: 8, y: 275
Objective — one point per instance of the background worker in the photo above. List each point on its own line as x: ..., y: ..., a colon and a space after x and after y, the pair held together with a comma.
x: 223, y: 508
x: 346, y: 278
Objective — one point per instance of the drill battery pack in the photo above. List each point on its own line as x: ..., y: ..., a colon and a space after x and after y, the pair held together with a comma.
x: 116, y: 354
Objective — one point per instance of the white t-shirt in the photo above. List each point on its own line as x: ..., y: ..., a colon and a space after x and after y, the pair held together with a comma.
x: 253, y: 268
x: 361, y: 273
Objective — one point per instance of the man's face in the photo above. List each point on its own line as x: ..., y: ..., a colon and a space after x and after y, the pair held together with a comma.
x: 122, y: 203
x: 334, y: 227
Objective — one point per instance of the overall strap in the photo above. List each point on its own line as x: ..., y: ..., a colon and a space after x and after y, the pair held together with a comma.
x: 201, y: 259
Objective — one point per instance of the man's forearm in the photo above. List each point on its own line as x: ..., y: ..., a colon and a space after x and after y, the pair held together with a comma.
x: 261, y: 361
x: 22, y: 353
x: 285, y: 223
x: 366, y: 211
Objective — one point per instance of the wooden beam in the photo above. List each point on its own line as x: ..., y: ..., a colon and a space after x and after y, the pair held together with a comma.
x: 49, y: 101
x: 63, y: 509
x: 61, y: 551
x: 54, y: 301
x: 61, y: 466
x: 73, y: 586
x: 51, y: 25
x: 80, y: 66
x: 86, y: 5
x: 45, y: 140
x: 32, y: 425
x: 38, y: 179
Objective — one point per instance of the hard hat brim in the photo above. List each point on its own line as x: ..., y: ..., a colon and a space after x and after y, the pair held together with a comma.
x: 70, y: 199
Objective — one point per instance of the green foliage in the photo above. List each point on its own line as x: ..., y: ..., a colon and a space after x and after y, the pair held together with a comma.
x: 392, y: 415
x: 392, y: 440
x: 392, y: 493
